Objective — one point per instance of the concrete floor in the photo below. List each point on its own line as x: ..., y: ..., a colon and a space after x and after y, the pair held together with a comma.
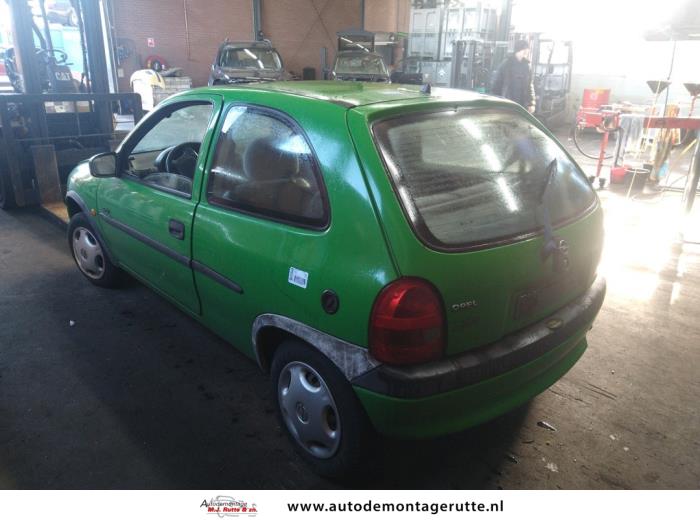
x: 137, y: 395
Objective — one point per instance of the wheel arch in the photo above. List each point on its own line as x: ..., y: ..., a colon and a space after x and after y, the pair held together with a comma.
x: 267, y: 341
x: 75, y: 205
x: 270, y: 330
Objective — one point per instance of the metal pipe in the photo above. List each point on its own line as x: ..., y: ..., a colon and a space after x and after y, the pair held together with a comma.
x: 85, y: 77
x: 458, y: 49
x: 502, y: 32
x: 24, y: 45
x: 398, y: 16
x: 47, y: 31
x: 111, y: 50
x: 362, y: 14
x: 324, y: 63
x: 97, y: 60
x: 187, y: 30
x: 257, y: 20
x: 692, y: 186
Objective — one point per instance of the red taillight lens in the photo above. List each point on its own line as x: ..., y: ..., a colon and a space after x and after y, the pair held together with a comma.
x: 407, y: 324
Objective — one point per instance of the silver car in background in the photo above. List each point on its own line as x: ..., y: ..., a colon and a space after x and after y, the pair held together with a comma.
x: 243, y: 62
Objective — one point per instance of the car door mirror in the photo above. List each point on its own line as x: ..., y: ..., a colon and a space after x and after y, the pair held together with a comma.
x: 104, y: 165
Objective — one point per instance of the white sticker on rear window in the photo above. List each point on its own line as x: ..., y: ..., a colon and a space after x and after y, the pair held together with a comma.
x: 298, y: 277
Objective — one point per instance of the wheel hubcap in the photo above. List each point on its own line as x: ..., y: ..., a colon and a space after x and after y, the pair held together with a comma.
x: 308, y: 409
x: 88, y: 253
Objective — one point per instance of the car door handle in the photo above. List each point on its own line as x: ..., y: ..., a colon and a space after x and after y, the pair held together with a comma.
x: 176, y: 229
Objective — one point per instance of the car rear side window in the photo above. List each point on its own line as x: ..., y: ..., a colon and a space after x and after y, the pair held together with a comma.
x: 474, y: 177
x: 264, y: 165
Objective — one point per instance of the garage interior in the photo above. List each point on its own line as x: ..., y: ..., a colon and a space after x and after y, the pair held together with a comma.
x: 122, y: 390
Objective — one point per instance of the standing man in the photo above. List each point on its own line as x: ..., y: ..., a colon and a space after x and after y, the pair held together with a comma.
x: 514, y: 78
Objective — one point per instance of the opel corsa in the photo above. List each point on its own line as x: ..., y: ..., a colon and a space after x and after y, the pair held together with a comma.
x: 400, y: 262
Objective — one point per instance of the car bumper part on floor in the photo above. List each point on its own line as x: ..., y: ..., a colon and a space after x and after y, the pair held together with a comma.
x: 464, y: 390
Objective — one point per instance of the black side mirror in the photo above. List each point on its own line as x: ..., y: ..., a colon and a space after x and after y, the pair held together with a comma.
x: 104, y: 165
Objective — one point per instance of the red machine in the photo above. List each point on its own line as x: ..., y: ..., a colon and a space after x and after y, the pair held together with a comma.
x: 595, y: 116
x: 588, y: 115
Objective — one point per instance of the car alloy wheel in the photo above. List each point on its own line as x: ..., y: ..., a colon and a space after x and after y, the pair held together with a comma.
x: 309, y: 410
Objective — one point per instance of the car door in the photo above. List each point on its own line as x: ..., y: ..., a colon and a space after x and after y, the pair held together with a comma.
x: 146, y: 212
x: 262, y: 212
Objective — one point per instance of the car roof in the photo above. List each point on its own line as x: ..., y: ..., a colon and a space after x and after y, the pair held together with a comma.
x: 259, y: 43
x: 350, y: 94
x: 348, y: 52
x: 243, y: 45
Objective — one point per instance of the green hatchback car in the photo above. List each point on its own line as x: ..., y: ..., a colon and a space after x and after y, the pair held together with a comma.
x: 400, y: 261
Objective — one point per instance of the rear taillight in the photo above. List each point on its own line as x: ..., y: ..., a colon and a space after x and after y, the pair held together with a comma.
x: 407, y: 324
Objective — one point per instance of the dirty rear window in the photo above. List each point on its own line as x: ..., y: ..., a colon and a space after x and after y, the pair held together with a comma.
x: 473, y: 177
x: 250, y: 58
x: 360, y: 63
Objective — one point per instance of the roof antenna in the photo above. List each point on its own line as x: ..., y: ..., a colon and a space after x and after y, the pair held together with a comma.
x: 425, y: 89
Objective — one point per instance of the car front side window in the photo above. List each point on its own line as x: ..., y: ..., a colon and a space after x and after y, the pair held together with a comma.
x: 166, y: 156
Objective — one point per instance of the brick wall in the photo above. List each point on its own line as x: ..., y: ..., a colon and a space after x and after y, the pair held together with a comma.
x: 189, y: 38
x: 300, y: 28
x: 391, y: 16
x: 189, y: 41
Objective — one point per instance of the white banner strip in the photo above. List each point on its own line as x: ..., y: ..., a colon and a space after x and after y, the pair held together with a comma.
x: 253, y: 507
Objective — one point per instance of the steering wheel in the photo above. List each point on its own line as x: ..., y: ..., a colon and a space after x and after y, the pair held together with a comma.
x: 180, y: 159
x: 59, y: 56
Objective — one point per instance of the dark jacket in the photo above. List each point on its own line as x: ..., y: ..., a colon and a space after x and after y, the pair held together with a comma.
x: 514, y: 81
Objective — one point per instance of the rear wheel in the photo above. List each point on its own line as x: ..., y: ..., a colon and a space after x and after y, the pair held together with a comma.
x: 89, y: 254
x: 320, y: 412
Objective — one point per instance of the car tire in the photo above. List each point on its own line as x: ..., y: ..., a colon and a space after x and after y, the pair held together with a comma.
x: 324, y: 420
x: 89, y: 255
x: 72, y: 18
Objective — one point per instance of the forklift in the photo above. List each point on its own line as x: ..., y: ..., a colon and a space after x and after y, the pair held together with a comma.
x: 475, y: 61
x: 56, y: 123
x: 551, y: 62
x: 52, y: 64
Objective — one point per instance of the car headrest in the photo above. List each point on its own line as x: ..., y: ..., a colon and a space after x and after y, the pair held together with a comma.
x: 226, y: 152
x: 265, y: 160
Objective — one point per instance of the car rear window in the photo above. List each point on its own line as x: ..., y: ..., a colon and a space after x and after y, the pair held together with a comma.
x: 360, y: 63
x: 250, y: 58
x: 473, y: 177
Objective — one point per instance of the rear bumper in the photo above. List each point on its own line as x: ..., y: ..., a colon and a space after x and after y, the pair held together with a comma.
x: 462, y: 391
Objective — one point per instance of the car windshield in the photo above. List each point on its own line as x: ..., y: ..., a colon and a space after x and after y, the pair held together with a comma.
x: 360, y: 64
x: 470, y: 177
x: 250, y: 58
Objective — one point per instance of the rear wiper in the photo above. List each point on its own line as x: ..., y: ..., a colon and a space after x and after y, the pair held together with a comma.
x: 549, y: 176
x: 549, y: 245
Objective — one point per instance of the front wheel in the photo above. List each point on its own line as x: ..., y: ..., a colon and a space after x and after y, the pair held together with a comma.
x: 89, y: 254
x: 320, y: 411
